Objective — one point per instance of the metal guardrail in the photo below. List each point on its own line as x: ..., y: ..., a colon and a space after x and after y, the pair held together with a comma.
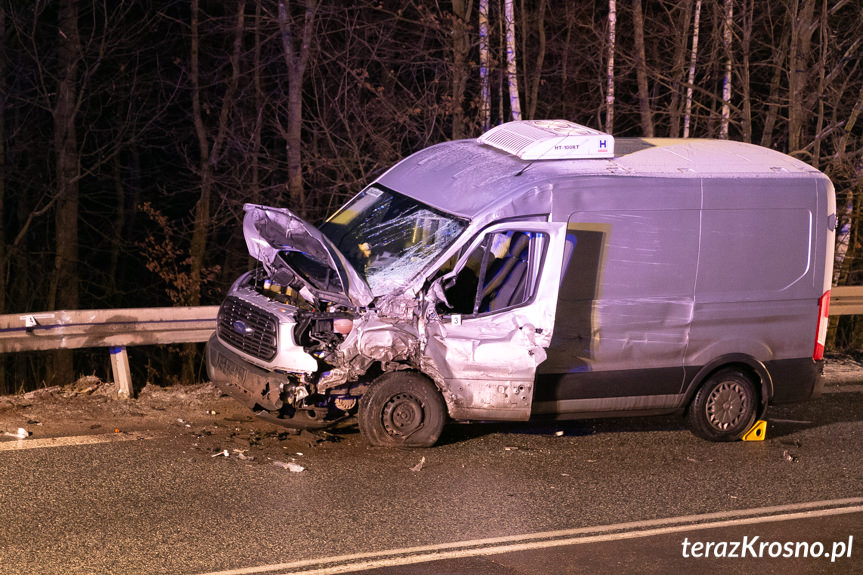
x: 112, y: 328
x: 118, y: 328
x: 846, y: 300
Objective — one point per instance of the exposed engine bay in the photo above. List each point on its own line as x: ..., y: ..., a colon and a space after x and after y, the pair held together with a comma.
x: 342, y: 342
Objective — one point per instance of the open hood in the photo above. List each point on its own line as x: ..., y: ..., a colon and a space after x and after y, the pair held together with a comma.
x: 282, y: 241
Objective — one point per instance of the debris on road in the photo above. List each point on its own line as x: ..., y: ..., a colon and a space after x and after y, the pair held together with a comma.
x: 419, y: 466
x: 290, y: 466
x: 241, y: 454
x: 20, y: 434
x: 223, y: 453
x: 789, y: 456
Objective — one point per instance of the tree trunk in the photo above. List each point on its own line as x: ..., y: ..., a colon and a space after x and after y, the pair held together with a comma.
x: 484, y: 65
x: 641, y: 71
x: 4, y: 388
x: 822, y: 72
x: 3, y: 264
x: 678, y: 72
x: 725, y: 116
x: 564, y: 65
x: 856, y: 112
x: 746, y: 43
x: 296, y: 60
x: 609, y: 94
x: 536, y: 75
x: 118, y: 226
x: 461, y: 10
x: 693, y: 57
x: 511, y: 64
x: 259, y: 109
x: 208, y: 158
x: 798, y: 62
x: 774, y: 97
x: 63, y: 292
x: 198, y: 244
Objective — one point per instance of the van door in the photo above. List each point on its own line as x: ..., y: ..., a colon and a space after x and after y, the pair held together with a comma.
x: 493, y: 319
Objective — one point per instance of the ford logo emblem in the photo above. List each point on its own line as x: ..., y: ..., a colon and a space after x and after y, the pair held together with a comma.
x: 241, y: 328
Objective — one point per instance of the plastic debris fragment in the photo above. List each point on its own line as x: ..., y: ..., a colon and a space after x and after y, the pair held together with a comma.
x: 419, y: 466
x: 290, y: 466
x: 20, y: 434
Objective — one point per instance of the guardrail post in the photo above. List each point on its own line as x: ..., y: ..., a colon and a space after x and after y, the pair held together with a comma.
x: 122, y: 373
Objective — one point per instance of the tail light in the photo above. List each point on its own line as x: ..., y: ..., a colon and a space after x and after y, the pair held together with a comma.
x: 823, y: 320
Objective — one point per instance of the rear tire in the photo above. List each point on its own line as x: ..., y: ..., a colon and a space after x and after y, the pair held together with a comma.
x: 724, y: 407
x: 402, y: 408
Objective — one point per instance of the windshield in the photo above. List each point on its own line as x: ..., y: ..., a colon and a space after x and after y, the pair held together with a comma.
x: 389, y: 238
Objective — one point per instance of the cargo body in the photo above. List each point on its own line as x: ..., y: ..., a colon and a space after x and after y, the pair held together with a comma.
x: 542, y: 271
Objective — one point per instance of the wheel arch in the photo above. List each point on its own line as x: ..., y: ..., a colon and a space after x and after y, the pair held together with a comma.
x: 748, y: 365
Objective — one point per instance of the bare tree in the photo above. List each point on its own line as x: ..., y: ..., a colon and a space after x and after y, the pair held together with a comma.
x: 296, y: 54
x: 693, y: 57
x: 678, y: 70
x: 535, y: 76
x: 745, y: 48
x: 210, y: 145
x: 511, y: 67
x: 66, y: 164
x: 727, y: 35
x: 609, y: 94
x: 3, y: 264
x: 641, y: 71
x: 461, y: 11
x: 802, y: 29
x: 484, y: 66
x: 775, y: 95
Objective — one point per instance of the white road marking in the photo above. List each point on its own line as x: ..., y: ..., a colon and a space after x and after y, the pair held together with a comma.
x: 530, y: 541
x: 68, y: 441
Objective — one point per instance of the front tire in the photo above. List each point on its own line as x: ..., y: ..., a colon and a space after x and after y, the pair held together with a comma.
x: 402, y: 408
x: 724, y: 408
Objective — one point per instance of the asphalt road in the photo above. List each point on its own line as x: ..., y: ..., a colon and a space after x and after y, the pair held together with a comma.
x: 605, y: 496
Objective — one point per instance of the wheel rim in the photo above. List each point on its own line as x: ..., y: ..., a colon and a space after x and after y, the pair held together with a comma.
x: 727, y: 405
x: 403, y: 415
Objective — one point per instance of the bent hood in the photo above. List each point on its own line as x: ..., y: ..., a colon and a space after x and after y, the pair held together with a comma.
x: 280, y: 240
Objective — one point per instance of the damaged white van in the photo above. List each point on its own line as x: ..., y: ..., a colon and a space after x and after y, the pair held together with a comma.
x: 544, y: 270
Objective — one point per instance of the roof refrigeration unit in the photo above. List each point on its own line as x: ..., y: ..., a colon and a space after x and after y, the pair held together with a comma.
x: 549, y: 140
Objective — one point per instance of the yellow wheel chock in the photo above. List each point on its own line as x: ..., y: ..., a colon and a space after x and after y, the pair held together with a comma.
x: 757, y: 432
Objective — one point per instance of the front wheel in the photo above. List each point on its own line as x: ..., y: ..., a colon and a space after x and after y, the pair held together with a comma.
x: 724, y: 407
x: 402, y: 409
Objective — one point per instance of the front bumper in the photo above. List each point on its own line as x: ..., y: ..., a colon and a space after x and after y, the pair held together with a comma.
x: 252, y: 386
x: 261, y: 390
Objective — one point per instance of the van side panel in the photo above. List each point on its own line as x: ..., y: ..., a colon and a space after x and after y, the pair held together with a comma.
x: 626, y: 300
x: 665, y: 276
x: 760, y: 273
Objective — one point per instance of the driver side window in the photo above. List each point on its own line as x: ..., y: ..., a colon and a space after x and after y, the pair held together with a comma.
x: 501, y: 273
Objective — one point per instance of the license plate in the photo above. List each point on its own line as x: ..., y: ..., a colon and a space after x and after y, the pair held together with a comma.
x: 232, y: 369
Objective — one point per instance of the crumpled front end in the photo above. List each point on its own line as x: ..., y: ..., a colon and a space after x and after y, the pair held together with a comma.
x: 269, y: 348
x: 304, y: 363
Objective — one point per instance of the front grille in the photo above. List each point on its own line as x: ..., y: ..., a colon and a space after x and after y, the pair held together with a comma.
x: 248, y: 328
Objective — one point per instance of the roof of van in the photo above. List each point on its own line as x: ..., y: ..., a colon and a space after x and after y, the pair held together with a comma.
x: 465, y: 177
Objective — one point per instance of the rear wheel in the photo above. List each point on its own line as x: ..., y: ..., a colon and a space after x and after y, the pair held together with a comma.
x: 724, y: 407
x: 402, y: 409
